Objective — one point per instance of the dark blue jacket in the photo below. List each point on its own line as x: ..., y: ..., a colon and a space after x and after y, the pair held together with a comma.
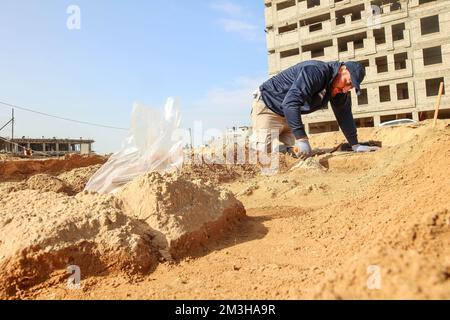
x: 305, y: 88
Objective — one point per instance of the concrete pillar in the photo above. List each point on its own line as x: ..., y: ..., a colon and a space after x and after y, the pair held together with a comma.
x: 333, y: 20
x: 386, y: 8
x: 348, y: 19
x: 415, y: 115
x: 391, y: 63
x: 389, y: 38
x: 43, y: 147
x: 307, y: 128
x: 376, y: 121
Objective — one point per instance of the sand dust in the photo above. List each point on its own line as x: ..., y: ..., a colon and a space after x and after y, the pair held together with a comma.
x: 340, y: 226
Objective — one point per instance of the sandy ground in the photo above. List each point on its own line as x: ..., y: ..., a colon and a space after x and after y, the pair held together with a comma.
x: 343, y: 226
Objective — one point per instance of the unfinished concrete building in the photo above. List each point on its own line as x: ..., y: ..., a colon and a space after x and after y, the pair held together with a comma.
x: 403, y: 44
x: 48, y: 147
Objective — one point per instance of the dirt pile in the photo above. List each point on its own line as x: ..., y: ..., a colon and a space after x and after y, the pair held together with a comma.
x: 47, y: 183
x: 184, y: 214
x: 400, y: 225
x: 78, y: 178
x: 16, y: 170
x: 43, y: 231
x: 219, y: 173
x: 341, y: 225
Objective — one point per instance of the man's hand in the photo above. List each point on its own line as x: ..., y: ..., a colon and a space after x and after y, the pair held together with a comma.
x: 303, y: 148
x: 361, y: 148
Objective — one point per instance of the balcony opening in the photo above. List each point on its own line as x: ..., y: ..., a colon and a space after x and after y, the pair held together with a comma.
x: 363, y: 98
x: 285, y: 4
x: 37, y: 146
x: 364, y: 122
x: 315, y: 23
x: 358, y: 41
x: 382, y: 64
x: 425, y: 1
x: 355, y: 12
x: 312, y: 3
x: 402, y: 91
x: 64, y: 147
x: 395, y: 117
x: 385, y: 93
x: 379, y: 35
x: 394, y: 4
x: 364, y: 63
x: 432, y: 56
x: 320, y: 127
x: 288, y: 28
x: 429, y: 25
x: 289, y: 53
x: 51, y: 147
x: 315, y: 27
x: 317, y: 49
x: 398, y: 32
x: 432, y: 86
x: 400, y: 60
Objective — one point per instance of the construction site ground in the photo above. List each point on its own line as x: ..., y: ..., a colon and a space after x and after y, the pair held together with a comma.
x: 323, y: 230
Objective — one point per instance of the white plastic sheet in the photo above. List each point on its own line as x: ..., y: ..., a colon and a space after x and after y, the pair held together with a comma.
x: 150, y: 146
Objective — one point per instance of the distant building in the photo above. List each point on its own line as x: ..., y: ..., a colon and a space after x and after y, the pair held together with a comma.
x: 51, y: 147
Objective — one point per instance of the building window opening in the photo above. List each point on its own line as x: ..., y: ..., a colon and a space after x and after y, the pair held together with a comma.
x: 429, y: 25
x: 402, y: 91
x: 382, y: 64
x: 432, y: 56
x: 385, y: 93
x: 400, y: 60
x: 432, y: 86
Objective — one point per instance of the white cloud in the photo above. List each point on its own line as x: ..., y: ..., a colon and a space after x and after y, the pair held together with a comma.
x: 228, y: 8
x: 222, y: 108
x: 235, y: 19
x: 232, y: 25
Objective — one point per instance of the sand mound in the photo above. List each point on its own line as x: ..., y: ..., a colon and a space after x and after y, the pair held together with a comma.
x: 47, y: 183
x: 44, y: 232
x: 160, y: 216
x: 401, y: 225
x: 16, y: 170
x: 219, y: 173
x: 183, y: 214
x: 78, y: 178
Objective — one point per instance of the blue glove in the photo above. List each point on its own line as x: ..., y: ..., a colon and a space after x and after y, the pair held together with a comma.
x: 303, y: 150
x: 361, y: 148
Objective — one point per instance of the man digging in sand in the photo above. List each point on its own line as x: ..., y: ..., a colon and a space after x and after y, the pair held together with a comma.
x: 304, y: 88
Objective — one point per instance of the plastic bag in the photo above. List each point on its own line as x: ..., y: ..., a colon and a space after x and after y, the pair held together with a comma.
x: 150, y: 146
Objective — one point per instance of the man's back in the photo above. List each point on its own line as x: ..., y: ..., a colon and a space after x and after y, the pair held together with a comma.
x: 276, y: 88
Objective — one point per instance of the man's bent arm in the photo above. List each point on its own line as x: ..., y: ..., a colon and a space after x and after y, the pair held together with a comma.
x: 342, y: 108
x: 309, y: 81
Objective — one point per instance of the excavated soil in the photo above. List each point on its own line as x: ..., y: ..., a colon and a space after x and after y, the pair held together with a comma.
x: 154, y: 218
x: 16, y: 170
x: 340, y: 225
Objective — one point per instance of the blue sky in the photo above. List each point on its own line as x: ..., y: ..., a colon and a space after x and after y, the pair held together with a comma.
x: 209, y: 54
